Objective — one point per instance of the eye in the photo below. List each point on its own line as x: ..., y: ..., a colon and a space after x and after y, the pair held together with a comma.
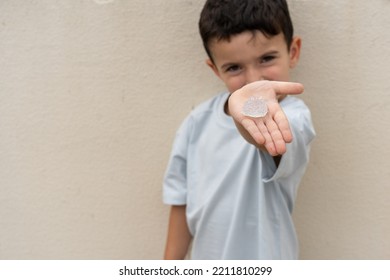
x: 233, y: 69
x: 267, y: 58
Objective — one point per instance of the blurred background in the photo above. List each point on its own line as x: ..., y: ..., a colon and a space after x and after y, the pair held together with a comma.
x: 92, y: 92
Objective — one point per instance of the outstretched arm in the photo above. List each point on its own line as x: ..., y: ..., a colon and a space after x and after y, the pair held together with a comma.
x: 271, y: 132
x: 179, y: 236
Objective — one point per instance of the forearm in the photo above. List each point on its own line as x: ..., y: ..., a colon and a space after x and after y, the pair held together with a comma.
x: 179, y: 236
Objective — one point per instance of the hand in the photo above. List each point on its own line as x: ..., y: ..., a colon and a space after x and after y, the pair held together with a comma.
x: 272, y: 131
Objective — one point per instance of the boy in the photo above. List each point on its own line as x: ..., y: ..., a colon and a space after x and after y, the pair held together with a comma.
x: 232, y: 178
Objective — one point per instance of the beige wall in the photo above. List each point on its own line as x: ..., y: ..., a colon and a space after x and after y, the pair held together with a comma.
x: 91, y: 93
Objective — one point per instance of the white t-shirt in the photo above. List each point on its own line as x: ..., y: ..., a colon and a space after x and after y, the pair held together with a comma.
x: 239, y: 204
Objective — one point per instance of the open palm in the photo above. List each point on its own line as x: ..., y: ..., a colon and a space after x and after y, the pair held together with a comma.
x: 272, y: 131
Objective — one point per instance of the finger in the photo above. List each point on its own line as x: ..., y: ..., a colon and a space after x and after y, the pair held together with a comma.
x: 284, y: 88
x: 281, y: 121
x: 253, y: 130
x: 283, y: 125
x: 269, y: 143
x: 276, y: 136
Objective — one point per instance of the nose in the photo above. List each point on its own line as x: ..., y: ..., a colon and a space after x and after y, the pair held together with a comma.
x: 252, y: 75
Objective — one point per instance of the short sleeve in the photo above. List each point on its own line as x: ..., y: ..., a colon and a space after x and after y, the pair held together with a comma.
x: 175, y: 179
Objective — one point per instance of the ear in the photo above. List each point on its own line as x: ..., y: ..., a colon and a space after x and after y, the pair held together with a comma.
x: 213, y: 67
x: 295, y: 51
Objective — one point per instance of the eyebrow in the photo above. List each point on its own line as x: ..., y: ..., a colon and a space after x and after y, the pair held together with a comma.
x: 269, y: 53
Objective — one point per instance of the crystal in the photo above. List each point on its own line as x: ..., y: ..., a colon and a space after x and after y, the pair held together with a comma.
x: 255, y: 107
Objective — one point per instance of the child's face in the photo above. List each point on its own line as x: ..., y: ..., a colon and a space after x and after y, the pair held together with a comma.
x: 249, y: 57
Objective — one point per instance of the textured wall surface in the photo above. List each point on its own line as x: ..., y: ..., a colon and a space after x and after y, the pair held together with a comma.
x: 343, y: 207
x: 92, y: 92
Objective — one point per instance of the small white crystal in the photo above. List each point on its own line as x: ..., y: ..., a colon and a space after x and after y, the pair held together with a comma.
x: 255, y: 107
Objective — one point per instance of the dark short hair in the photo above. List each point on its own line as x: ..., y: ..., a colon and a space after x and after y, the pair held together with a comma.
x: 221, y: 19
